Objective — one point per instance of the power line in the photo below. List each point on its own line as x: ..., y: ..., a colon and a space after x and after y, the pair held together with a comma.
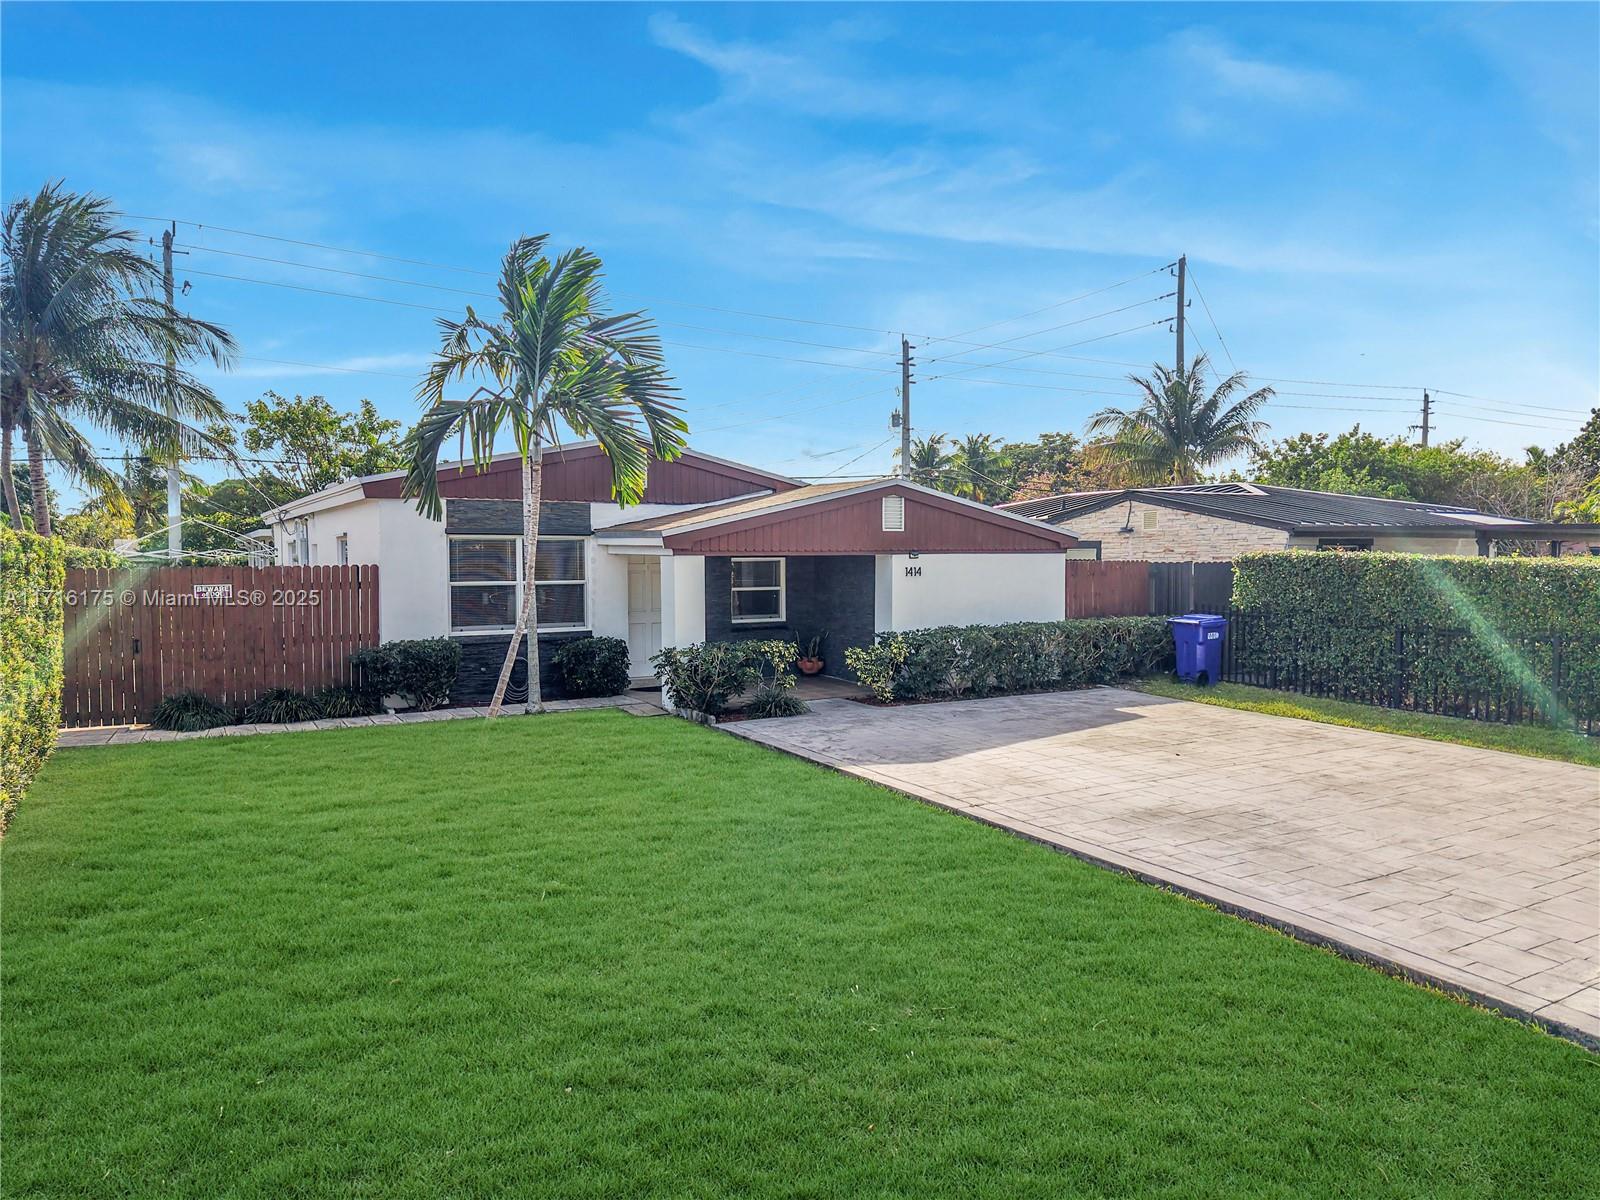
x: 929, y: 339
x: 858, y: 458
x: 1212, y: 319
x: 1049, y: 307
x: 791, y: 413
x: 1035, y: 353
x: 1021, y: 337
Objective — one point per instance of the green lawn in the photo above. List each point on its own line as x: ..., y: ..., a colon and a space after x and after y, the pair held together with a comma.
x: 1533, y: 740
x: 592, y: 955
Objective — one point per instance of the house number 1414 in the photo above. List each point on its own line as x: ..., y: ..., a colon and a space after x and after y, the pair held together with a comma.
x: 913, y: 572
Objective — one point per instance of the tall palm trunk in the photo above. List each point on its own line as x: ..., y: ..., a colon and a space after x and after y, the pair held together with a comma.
x: 41, y: 500
x: 9, y: 484
x: 532, y: 493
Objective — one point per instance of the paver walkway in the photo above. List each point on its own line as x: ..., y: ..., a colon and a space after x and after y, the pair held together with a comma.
x: 1473, y: 869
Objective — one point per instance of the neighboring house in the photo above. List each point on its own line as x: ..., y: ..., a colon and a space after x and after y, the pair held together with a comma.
x: 717, y: 550
x: 1213, y: 521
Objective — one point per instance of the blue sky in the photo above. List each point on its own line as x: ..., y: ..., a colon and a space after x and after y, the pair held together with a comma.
x: 1390, y: 195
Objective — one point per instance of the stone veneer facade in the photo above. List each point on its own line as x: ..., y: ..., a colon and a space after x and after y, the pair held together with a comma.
x: 1177, y: 536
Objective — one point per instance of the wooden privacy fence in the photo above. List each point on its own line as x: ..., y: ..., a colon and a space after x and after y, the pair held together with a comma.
x: 1138, y: 589
x: 134, y: 636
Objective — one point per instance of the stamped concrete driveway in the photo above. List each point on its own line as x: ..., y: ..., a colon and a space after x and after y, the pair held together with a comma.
x: 1472, y: 869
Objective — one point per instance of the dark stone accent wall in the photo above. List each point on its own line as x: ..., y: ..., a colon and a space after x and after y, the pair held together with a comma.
x: 481, y: 658
x: 836, y: 593
x: 556, y: 517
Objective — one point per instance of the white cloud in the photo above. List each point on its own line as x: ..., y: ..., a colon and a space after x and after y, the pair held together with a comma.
x: 816, y: 80
x: 1231, y: 72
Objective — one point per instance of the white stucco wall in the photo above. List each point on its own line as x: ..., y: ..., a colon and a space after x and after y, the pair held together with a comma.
x: 413, y: 573
x: 968, y: 589
x: 683, y: 599
x: 608, y: 592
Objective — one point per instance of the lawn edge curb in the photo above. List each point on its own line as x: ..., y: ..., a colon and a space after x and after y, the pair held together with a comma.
x: 1294, y: 925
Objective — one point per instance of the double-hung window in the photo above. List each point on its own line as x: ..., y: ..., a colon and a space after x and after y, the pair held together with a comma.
x: 757, y: 590
x: 561, y: 588
x: 486, y: 582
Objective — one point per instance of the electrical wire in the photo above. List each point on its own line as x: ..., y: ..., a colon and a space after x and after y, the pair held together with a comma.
x: 1050, y: 307
x: 1223, y: 342
x: 1022, y: 337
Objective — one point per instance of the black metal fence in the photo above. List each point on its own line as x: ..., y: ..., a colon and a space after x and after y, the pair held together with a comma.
x: 1549, y: 678
x: 1185, y: 587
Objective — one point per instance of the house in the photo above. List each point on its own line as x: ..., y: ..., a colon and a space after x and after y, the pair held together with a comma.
x: 716, y: 551
x: 1214, y: 521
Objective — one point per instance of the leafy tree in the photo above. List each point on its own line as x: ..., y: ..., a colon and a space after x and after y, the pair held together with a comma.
x: 21, y: 490
x: 85, y: 344
x: 930, y: 458
x: 1360, y: 463
x: 1178, y: 428
x: 980, y: 470
x: 314, y: 445
x: 551, y: 357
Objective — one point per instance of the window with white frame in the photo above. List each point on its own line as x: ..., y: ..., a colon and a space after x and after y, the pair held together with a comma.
x: 757, y: 590
x: 341, y: 546
x: 486, y: 581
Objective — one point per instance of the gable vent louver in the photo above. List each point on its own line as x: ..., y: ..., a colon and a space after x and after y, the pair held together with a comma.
x: 894, y: 514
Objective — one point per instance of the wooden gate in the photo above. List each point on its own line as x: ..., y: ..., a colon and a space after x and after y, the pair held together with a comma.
x: 134, y: 636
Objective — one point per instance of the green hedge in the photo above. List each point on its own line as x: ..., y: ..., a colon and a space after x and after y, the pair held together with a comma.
x: 952, y: 661
x: 33, y: 576
x: 94, y: 556
x: 1475, y: 636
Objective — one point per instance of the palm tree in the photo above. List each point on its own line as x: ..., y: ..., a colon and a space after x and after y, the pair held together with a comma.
x: 1177, y: 429
x: 87, y: 343
x: 552, y: 357
x: 929, y: 460
x: 980, y: 470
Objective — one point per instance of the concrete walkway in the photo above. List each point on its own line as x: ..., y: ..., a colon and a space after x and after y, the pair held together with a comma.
x: 1471, y: 869
x: 127, y: 735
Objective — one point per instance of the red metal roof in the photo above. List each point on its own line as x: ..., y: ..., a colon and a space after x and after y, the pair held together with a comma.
x: 584, y: 473
x: 847, y: 518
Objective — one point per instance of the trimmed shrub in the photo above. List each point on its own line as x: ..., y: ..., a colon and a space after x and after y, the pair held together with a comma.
x: 1517, y: 596
x: 709, y: 676
x: 593, y: 666
x: 422, y: 672
x: 705, y: 676
x: 32, y: 572
x: 952, y: 661
x: 342, y: 701
x: 771, y: 700
x: 189, y: 712
x: 1438, y: 634
x: 282, y: 706
x: 94, y: 556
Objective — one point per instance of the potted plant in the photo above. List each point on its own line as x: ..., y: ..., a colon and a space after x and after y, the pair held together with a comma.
x: 810, y: 660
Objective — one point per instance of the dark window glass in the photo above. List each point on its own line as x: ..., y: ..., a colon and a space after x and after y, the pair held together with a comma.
x: 475, y: 559
x: 759, y: 572
x: 489, y: 605
x: 764, y: 603
x: 559, y: 604
x: 558, y: 560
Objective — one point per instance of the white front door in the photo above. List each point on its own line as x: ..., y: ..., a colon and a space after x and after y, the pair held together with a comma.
x: 644, y: 614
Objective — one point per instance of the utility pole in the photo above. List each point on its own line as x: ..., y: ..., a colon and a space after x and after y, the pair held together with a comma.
x: 1427, y: 415
x: 1183, y: 267
x: 905, y: 407
x: 174, y: 469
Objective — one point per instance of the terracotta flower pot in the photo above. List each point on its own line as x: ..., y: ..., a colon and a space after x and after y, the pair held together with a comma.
x: 810, y: 666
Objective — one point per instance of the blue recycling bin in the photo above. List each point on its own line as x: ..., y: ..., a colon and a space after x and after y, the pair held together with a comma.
x: 1198, y: 638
